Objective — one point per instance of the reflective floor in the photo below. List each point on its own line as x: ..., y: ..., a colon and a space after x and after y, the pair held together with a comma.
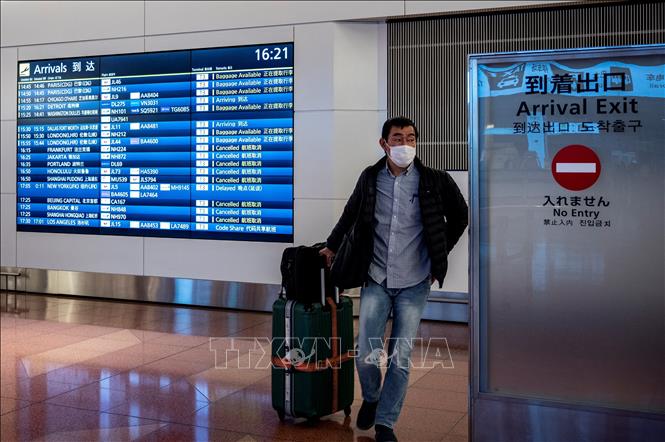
x: 81, y: 369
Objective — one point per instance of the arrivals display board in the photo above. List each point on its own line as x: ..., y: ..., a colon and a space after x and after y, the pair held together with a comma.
x: 194, y: 143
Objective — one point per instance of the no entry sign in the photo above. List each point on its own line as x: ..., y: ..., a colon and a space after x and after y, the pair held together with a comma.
x: 576, y: 167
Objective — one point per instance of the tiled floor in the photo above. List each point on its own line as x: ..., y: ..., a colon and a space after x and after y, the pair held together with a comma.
x: 81, y: 369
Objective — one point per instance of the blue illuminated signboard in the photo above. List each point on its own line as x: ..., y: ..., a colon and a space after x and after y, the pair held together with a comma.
x: 195, y: 144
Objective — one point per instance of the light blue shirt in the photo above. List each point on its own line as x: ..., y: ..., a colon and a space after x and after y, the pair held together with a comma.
x: 400, y: 252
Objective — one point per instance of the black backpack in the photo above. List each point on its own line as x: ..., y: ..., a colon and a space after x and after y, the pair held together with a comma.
x: 301, y: 273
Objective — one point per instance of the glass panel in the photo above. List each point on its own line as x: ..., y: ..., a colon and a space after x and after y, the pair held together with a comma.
x: 570, y: 168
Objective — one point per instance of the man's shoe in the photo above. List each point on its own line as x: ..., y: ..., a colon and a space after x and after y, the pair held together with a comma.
x: 366, y: 415
x: 384, y: 434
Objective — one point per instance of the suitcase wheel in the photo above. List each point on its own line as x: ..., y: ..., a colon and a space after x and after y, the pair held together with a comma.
x: 347, y: 411
x: 280, y: 414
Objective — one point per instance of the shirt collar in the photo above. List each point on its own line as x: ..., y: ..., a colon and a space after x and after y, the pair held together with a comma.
x: 408, y: 170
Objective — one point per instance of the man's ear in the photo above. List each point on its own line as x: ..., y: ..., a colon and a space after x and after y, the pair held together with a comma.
x: 383, y: 145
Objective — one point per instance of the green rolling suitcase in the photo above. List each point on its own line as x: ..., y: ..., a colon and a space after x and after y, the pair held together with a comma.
x: 312, y: 372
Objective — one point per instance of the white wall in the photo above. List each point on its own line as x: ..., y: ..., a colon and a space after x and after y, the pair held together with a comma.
x: 340, y: 104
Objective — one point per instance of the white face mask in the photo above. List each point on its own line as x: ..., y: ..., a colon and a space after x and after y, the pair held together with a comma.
x: 402, y: 155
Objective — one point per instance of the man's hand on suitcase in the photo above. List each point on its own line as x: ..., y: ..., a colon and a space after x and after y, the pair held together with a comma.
x: 329, y: 254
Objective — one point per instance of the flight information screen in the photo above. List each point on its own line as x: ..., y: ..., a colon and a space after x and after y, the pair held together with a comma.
x: 194, y: 144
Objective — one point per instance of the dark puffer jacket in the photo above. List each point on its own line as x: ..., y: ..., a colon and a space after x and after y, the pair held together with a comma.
x: 443, y: 211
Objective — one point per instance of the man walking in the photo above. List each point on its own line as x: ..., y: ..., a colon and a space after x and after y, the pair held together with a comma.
x: 412, y: 217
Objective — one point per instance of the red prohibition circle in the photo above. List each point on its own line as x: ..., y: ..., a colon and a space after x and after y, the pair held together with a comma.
x: 576, y: 167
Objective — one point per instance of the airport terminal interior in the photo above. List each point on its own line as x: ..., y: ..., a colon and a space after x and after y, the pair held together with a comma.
x: 157, y: 158
x: 89, y: 369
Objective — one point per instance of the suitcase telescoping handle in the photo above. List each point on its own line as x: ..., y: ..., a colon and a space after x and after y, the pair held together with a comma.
x: 323, y: 288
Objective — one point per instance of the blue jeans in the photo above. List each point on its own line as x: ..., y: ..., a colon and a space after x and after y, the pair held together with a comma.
x: 376, y: 303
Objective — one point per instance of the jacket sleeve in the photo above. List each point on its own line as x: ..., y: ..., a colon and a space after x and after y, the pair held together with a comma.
x: 349, y: 216
x: 455, y: 210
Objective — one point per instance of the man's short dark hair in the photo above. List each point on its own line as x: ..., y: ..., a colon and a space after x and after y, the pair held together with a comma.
x: 399, y: 122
